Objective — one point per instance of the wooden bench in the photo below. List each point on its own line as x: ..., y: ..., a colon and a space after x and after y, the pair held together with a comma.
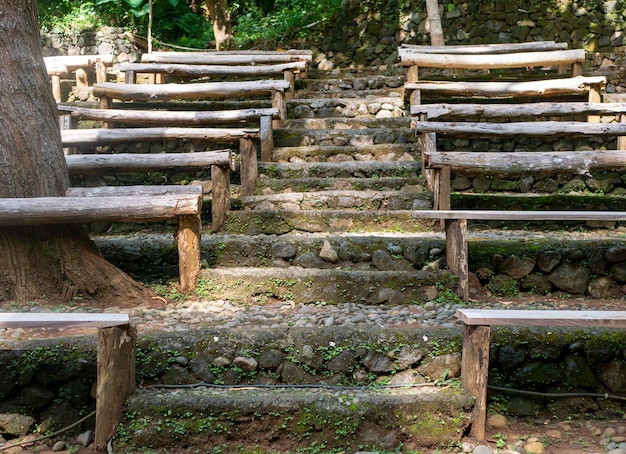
x: 477, y: 336
x: 170, y: 118
x: 287, y: 70
x: 115, y: 360
x: 438, y: 165
x: 121, y: 204
x: 166, y: 92
x: 246, y: 138
x: 62, y: 65
x: 482, y: 57
x: 220, y: 163
x: 455, y: 222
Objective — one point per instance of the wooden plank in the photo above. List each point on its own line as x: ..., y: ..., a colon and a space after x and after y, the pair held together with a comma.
x: 224, y: 58
x: 478, y: 49
x: 165, y: 92
x: 456, y: 254
x: 410, y: 57
x: 88, y: 164
x: 442, y: 111
x: 220, y: 197
x: 521, y: 128
x: 495, y: 215
x: 573, y: 318
x: 169, y: 117
x: 61, y: 320
x: 83, y: 210
x: 141, y: 190
x: 249, y: 167
x: 475, y: 373
x: 85, y: 137
x: 266, y: 138
x: 573, y: 85
x: 188, y: 240
x: 73, y: 62
x: 116, y: 380
x: 523, y: 163
x: 178, y: 69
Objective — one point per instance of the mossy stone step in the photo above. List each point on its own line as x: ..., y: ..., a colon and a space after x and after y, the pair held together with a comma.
x: 272, y: 185
x: 344, y: 169
x: 359, y: 152
x: 362, y: 200
x: 348, y: 123
x: 360, y: 137
x: 307, y: 285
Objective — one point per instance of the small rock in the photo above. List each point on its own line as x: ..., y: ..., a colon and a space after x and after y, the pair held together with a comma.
x: 328, y: 253
x: 467, y: 446
x: 536, y: 447
x: 497, y: 421
x: 86, y: 438
x: 482, y: 449
x: 58, y: 446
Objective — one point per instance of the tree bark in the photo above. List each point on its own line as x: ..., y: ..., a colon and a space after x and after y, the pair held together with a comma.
x: 53, y: 262
x: 434, y: 19
x: 219, y: 14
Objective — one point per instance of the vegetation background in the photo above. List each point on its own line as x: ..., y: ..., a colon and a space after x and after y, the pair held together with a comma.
x: 185, y: 23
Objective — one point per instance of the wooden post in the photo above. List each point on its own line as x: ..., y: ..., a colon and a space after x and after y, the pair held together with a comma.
x: 116, y: 379
x: 456, y: 254
x: 56, y: 87
x: 130, y: 77
x: 428, y: 144
x: 68, y: 122
x: 220, y: 196
x: 442, y: 188
x: 82, y: 80
x: 595, y: 96
x: 101, y: 72
x: 188, y: 238
x: 475, y: 372
x: 279, y: 102
x: 249, y: 168
x: 621, y: 140
x: 267, y: 138
x: 289, y: 77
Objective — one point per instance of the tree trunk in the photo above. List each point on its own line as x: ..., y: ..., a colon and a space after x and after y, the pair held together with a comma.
x: 53, y: 262
x: 219, y: 14
x: 434, y: 19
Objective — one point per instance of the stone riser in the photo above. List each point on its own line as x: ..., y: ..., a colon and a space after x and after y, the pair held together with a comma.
x: 340, y: 152
x: 265, y: 185
x: 342, y: 137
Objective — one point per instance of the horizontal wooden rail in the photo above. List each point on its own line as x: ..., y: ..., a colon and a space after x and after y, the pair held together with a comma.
x: 511, y: 111
x: 228, y: 57
x: 84, y: 137
x: 73, y: 62
x: 410, y: 57
x: 85, y: 164
x: 141, y: 190
x: 573, y: 318
x: 481, y: 49
x: 507, y: 164
x: 179, y: 69
x: 537, y: 128
x: 500, y: 215
x: 61, y: 320
x: 567, y: 86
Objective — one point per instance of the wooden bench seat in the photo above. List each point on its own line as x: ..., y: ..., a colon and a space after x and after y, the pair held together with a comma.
x: 236, y: 57
x: 219, y: 162
x: 179, y: 118
x: 115, y: 360
x: 166, y: 92
x: 477, y: 337
x: 121, y: 204
x: 286, y: 70
x: 455, y: 224
x: 62, y: 65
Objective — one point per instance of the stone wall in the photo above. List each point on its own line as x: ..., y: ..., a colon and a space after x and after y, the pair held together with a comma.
x: 103, y: 42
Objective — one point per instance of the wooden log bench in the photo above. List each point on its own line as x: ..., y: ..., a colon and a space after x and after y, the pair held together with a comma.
x: 219, y: 162
x: 70, y: 116
x: 79, y: 64
x: 167, y: 92
x: 115, y: 360
x: 287, y: 70
x: 477, y: 336
x: 456, y: 221
x: 246, y: 138
x: 438, y: 165
x: 121, y: 204
x: 484, y: 57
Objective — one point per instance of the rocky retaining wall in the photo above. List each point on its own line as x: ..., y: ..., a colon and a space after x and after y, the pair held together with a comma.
x: 53, y: 382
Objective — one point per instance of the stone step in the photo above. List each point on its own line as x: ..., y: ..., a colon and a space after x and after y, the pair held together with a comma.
x: 344, y: 169
x: 273, y: 222
x: 309, y: 283
x: 336, y: 93
x: 360, y: 200
x: 349, y: 123
x: 359, y: 150
x: 350, y: 82
x: 318, y: 389
x: 266, y: 186
x: 392, y: 106
x: 341, y: 137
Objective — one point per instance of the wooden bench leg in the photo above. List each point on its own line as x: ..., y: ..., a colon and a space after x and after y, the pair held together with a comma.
x: 220, y: 196
x: 56, y: 87
x: 116, y: 379
x: 475, y: 373
x: 290, y: 77
x: 267, y: 138
x: 279, y: 102
x: 249, y: 167
x: 101, y: 72
x: 456, y: 254
x: 188, y: 239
